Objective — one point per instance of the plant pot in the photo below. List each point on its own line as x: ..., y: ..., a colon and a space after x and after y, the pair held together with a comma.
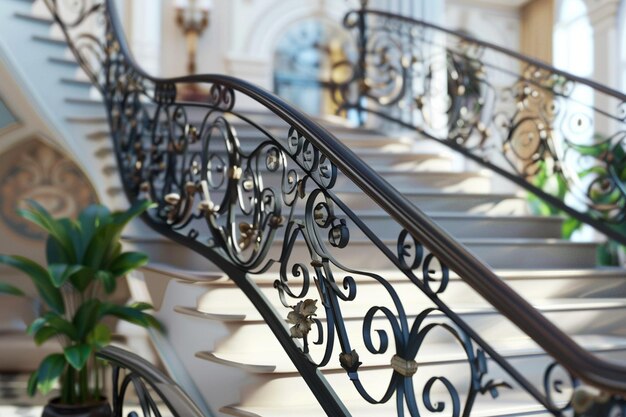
x: 95, y: 409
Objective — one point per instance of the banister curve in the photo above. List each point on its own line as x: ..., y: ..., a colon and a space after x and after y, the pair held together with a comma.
x: 513, y: 54
x: 603, y: 374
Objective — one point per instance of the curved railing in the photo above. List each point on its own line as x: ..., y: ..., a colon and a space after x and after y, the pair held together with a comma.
x: 253, y: 198
x: 155, y: 393
x: 560, y: 136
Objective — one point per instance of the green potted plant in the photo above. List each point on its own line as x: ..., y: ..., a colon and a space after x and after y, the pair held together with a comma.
x: 84, y: 261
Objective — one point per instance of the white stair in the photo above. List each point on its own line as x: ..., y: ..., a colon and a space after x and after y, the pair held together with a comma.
x: 39, y: 54
x: 559, y: 277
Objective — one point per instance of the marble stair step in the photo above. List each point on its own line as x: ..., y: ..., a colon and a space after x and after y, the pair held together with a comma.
x: 573, y: 316
x: 271, y: 359
x: 511, y: 409
x: 258, y: 402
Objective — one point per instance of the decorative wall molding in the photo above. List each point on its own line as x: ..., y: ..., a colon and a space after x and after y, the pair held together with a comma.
x: 34, y: 170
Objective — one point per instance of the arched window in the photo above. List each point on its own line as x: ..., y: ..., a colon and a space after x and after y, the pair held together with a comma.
x: 304, y: 60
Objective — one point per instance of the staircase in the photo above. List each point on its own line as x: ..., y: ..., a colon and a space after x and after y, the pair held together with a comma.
x: 240, y: 366
x: 558, y: 276
x: 37, y: 54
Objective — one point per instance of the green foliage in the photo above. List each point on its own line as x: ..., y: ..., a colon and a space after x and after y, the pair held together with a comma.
x: 82, y: 256
x: 556, y: 185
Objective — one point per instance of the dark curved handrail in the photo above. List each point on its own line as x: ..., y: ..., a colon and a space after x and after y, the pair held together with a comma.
x: 513, y: 54
x: 603, y: 374
x: 140, y: 373
x: 531, y: 119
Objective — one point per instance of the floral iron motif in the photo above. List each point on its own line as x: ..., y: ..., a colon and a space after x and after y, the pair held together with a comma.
x: 521, y: 118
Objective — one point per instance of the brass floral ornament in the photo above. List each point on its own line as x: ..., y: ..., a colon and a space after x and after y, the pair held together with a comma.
x: 302, y: 318
x: 249, y: 234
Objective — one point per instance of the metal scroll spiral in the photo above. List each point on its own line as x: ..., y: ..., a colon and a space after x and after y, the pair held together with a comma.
x: 387, y: 331
x: 531, y: 122
x: 569, y: 396
x: 127, y: 383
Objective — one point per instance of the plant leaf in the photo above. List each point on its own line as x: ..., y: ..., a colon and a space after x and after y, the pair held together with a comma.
x: 40, y: 277
x: 37, y: 324
x: 10, y: 289
x: 154, y: 322
x: 31, y: 388
x: 82, y: 278
x: 90, y: 220
x: 100, y: 336
x: 37, y: 214
x: 138, y: 207
x: 127, y: 262
x: 60, y: 273
x: 55, y: 254
x: 44, y: 334
x: 570, y: 225
x: 98, y: 246
x: 141, y: 306
x: 108, y: 281
x: 49, y: 371
x: 61, y: 325
x: 131, y: 315
x: 86, y: 317
x: 77, y: 355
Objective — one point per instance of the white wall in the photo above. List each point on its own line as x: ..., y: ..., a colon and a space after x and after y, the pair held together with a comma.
x: 496, y: 24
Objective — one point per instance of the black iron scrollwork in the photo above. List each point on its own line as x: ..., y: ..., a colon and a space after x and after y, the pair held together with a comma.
x: 517, y: 116
x: 256, y: 199
x: 138, y: 385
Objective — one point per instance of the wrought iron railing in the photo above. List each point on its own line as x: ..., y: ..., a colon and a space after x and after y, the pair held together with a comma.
x: 560, y: 136
x: 154, y: 394
x: 254, y: 198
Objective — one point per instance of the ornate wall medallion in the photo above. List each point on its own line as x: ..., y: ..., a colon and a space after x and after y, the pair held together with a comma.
x: 36, y: 171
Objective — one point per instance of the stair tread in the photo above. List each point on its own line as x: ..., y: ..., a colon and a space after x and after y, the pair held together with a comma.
x: 268, y: 278
x: 276, y: 361
x: 247, y: 313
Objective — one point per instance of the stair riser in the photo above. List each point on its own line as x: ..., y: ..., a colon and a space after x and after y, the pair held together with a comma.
x: 457, y: 293
x: 490, y: 325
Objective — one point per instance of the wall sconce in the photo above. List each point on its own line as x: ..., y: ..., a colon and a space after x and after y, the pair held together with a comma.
x: 192, y: 16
